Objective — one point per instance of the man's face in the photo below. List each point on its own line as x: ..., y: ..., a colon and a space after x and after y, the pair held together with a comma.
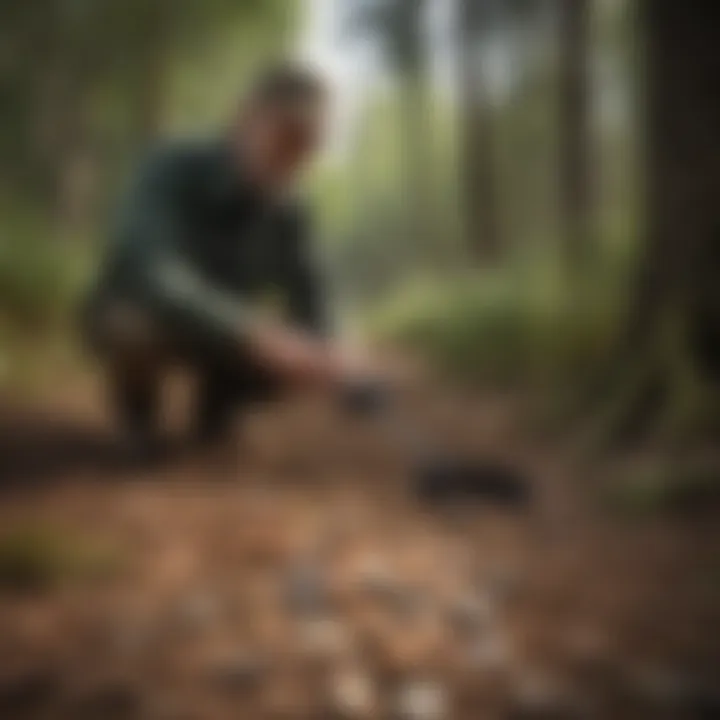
x: 278, y: 142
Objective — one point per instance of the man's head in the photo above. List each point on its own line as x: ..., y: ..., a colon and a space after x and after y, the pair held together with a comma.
x: 280, y: 124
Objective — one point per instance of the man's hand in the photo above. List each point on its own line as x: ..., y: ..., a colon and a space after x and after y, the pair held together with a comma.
x: 298, y: 358
x: 303, y: 361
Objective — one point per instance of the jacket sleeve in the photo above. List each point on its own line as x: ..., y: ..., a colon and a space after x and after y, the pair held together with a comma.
x: 152, y: 228
x: 304, y: 286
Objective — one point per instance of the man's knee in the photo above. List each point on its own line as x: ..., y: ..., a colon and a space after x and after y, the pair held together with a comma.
x: 125, y: 335
x: 242, y: 381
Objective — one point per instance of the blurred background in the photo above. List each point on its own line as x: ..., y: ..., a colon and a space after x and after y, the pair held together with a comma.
x: 523, y: 193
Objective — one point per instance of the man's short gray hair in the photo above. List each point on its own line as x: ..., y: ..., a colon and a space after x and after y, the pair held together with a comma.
x: 285, y: 83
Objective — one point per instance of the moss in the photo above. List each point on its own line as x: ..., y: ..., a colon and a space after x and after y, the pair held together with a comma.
x: 39, y: 559
x: 680, y: 487
x: 518, y: 324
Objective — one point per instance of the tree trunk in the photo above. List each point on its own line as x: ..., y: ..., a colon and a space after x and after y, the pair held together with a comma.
x: 683, y: 174
x: 404, y: 27
x: 417, y: 168
x: 677, y: 295
x: 575, y: 161
x: 477, y: 169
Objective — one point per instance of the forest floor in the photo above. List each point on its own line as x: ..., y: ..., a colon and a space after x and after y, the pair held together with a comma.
x: 296, y: 577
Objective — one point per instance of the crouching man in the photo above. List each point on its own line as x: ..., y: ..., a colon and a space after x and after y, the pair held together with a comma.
x: 207, y: 228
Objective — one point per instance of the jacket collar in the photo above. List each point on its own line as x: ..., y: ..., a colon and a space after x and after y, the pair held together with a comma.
x: 231, y: 184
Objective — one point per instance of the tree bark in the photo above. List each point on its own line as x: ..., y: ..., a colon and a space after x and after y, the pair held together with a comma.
x: 417, y: 168
x: 674, y: 312
x: 683, y: 174
x: 575, y: 161
x: 477, y: 168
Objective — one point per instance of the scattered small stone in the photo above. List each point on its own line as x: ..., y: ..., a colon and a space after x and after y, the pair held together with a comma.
x: 130, y: 636
x: 535, y: 691
x: 352, y: 695
x: 470, y: 615
x: 405, y: 602
x: 378, y: 582
x: 238, y: 671
x: 325, y: 638
x: 305, y: 593
x: 374, y: 576
x: 422, y: 700
x: 541, y: 697
x: 288, y: 697
x: 503, y: 585
x: 199, y: 611
x: 491, y: 652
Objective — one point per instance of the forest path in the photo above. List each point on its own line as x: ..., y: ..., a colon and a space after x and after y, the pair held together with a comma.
x: 298, y: 577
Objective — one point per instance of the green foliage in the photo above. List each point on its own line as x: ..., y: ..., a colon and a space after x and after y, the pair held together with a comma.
x: 38, y: 558
x: 102, y: 85
x: 525, y: 323
x: 253, y: 34
x: 676, y: 487
x: 39, y: 279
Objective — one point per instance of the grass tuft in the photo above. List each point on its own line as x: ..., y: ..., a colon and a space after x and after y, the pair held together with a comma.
x: 39, y: 559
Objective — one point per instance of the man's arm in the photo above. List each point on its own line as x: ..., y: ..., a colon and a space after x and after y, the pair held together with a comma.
x: 152, y: 231
x: 152, y: 228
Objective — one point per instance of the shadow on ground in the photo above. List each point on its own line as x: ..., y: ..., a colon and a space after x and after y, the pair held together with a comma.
x: 36, y: 447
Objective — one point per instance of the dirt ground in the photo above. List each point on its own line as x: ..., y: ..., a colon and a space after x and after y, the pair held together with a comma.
x: 296, y: 576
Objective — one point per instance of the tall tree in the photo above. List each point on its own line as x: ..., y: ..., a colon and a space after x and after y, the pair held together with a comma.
x: 676, y: 301
x: 99, y: 83
x: 683, y: 174
x: 478, y: 177
x: 482, y: 27
x: 575, y: 162
x: 397, y: 28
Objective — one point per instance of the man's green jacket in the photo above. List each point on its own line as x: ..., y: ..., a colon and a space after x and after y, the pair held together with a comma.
x: 196, y: 244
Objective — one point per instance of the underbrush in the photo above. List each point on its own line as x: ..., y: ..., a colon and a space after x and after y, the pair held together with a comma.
x: 37, y: 558
x: 41, y: 279
x: 527, y: 324
x: 39, y: 282
x: 679, y: 486
x: 532, y: 329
